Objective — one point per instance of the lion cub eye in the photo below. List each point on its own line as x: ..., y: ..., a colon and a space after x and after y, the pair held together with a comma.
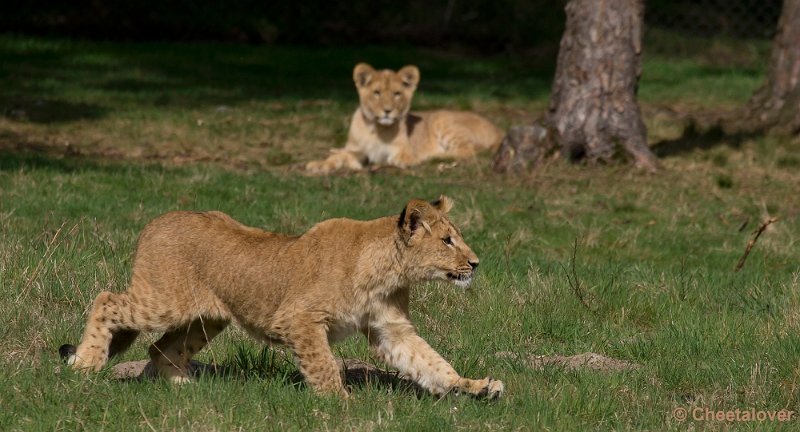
x: 377, y: 93
x: 397, y: 95
x: 448, y: 241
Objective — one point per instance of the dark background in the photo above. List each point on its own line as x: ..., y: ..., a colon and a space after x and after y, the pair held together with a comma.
x: 480, y: 25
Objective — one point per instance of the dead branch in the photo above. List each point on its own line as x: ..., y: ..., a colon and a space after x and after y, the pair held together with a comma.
x: 752, y: 242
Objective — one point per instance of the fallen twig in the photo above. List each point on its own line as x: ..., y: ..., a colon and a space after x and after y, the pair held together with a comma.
x: 752, y: 242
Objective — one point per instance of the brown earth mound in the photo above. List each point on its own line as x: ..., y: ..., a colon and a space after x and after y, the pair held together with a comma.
x: 587, y: 360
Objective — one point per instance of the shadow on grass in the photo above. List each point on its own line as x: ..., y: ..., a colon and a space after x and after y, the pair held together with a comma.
x: 18, y: 155
x: 63, y: 75
x: 13, y: 161
x: 693, y: 138
x: 356, y: 374
x: 46, y: 111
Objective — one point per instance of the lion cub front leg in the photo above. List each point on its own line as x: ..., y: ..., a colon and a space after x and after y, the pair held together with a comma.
x: 338, y: 159
x: 403, y: 157
x: 398, y: 345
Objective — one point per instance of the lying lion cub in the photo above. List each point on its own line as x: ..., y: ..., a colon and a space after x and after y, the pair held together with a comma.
x: 382, y: 130
x: 194, y: 273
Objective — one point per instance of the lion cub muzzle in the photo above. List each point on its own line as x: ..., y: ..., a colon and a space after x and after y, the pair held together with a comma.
x: 462, y: 280
x: 463, y: 276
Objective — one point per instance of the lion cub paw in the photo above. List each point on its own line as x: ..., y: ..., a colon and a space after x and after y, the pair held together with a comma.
x: 91, y: 362
x: 402, y: 161
x: 173, y: 375
x: 179, y: 380
x: 487, y: 388
x: 318, y: 167
x: 493, y: 390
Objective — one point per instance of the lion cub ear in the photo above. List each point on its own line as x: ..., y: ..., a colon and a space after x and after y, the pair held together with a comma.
x: 362, y: 74
x: 410, y: 76
x: 443, y: 204
x: 413, y: 217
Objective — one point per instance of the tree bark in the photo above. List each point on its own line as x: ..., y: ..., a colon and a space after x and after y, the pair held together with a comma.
x: 775, y: 107
x: 593, y: 112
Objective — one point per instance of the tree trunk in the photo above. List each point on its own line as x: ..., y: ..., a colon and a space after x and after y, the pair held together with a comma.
x: 775, y: 107
x: 593, y: 109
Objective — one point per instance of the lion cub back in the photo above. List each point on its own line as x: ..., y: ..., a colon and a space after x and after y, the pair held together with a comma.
x: 457, y: 133
x: 192, y: 261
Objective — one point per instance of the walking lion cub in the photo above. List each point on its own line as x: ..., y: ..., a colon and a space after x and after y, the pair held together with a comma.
x: 383, y: 131
x: 194, y: 273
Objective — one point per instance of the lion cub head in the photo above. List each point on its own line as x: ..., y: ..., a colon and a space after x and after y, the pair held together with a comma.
x: 434, y: 246
x: 385, y: 95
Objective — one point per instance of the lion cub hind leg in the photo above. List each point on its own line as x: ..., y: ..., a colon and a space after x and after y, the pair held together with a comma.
x: 109, y: 331
x: 466, y: 136
x: 171, y: 354
x: 309, y: 342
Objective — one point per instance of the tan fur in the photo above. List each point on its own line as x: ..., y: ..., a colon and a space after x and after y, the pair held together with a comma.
x: 196, y: 272
x: 383, y: 131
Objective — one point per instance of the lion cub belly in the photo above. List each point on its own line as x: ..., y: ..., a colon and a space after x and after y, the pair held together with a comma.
x: 422, y: 136
x: 341, y: 330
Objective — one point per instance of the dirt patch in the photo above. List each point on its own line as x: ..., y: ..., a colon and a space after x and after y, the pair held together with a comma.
x: 587, y: 360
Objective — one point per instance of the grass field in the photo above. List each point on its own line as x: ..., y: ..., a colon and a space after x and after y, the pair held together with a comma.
x: 96, y: 139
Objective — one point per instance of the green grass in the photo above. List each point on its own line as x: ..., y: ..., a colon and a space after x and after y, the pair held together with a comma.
x: 655, y: 253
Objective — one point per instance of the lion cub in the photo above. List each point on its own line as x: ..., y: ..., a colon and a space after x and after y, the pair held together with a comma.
x: 383, y: 131
x: 194, y: 273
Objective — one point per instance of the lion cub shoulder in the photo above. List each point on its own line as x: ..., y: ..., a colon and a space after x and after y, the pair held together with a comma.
x: 384, y: 132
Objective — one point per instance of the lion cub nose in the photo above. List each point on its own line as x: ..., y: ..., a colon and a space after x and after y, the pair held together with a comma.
x: 474, y: 264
